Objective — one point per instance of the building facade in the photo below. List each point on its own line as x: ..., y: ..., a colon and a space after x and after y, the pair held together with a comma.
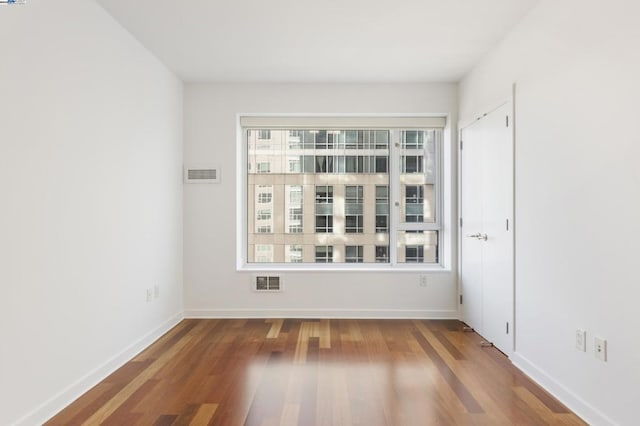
x: 324, y: 196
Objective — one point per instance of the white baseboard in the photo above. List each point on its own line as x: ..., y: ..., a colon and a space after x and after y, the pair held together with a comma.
x: 586, y: 411
x: 322, y: 313
x: 54, y: 405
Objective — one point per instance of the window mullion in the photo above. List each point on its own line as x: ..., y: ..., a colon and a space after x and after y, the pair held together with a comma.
x: 394, y: 194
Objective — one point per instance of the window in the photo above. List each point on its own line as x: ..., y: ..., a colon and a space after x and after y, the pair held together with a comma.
x: 412, y: 164
x: 264, y: 194
x: 353, y: 254
x: 264, y: 215
x: 294, y: 166
x: 382, y: 254
x: 412, y: 139
x: 295, y: 139
x: 414, y: 202
x: 264, y: 134
x: 414, y: 254
x: 324, y: 164
x: 382, y: 208
x: 419, y: 246
x: 264, y: 253
x: 295, y: 219
x: 381, y: 164
x: 324, y: 209
x: 263, y: 167
x: 264, y: 211
x: 294, y: 254
x: 324, y: 254
x: 342, y: 195
x: 295, y: 195
x: 353, y: 207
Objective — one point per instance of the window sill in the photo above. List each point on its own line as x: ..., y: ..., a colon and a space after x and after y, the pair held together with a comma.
x: 311, y: 267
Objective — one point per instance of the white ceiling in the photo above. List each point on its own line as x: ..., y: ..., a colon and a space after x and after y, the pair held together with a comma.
x: 319, y: 40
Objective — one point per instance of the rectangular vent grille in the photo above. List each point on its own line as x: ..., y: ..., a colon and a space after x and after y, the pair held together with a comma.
x: 266, y: 283
x: 201, y: 175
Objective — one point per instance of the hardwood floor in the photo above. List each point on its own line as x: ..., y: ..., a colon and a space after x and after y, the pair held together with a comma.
x: 317, y: 372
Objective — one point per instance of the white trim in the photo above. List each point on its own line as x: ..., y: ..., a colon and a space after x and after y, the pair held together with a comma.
x: 241, y: 196
x: 366, y: 121
x: 579, y: 406
x: 322, y: 313
x: 66, y: 396
x: 395, y: 122
x: 343, y: 267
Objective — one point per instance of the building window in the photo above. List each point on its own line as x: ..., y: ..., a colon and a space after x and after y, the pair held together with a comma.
x: 353, y: 254
x: 412, y: 139
x: 264, y: 195
x: 295, y: 212
x: 264, y: 253
x: 350, y: 178
x: 411, y: 164
x: 382, y: 254
x: 381, y: 164
x: 295, y: 196
x: 324, y: 163
x: 324, y: 209
x: 419, y: 246
x: 263, y: 222
x: 414, y: 202
x: 353, y: 207
x: 264, y: 215
x: 264, y: 134
x: 294, y: 254
x: 263, y: 167
x: 414, y: 254
x: 382, y: 209
x: 324, y: 254
x: 295, y: 220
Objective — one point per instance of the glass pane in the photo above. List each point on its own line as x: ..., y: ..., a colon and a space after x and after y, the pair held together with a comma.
x: 382, y: 139
x: 308, y: 166
x: 382, y: 254
x: 417, y: 176
x: 417, y: 246
x: 313, y: 193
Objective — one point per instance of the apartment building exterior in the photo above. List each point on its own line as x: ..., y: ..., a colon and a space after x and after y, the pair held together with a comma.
x: 328, y: 196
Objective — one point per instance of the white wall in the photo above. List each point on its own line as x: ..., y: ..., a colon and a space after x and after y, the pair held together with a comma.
x: 90, y: 202
x: 213, y: 287
x: 576, y: 65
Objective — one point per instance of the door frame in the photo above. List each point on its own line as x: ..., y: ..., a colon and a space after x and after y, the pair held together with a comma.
x: 461, y: 127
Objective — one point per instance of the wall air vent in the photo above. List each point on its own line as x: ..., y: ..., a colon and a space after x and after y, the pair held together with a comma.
x: 267, y: 284
x: 201, y: 174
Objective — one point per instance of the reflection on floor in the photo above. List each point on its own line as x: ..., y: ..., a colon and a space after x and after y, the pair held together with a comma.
x: 317, y: 372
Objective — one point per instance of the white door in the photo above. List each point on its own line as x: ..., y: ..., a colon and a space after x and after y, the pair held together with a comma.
x: 472, y: 225
x: 487, y: 236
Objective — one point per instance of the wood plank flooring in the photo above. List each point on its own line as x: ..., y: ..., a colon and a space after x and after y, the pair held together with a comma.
x: 317, y: 372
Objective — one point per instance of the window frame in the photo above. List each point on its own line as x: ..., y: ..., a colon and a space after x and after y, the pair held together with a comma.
x: 444, y: 149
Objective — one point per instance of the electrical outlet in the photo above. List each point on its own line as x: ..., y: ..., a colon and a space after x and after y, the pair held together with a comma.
x: 423, y: 281
x: 156, y: 291
x: 149, y: 294
x: 600, y: 348
x: 581, y: 340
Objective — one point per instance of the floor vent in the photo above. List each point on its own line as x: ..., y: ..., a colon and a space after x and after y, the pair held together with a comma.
x: 201, y: 174
x: 266, y: 283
